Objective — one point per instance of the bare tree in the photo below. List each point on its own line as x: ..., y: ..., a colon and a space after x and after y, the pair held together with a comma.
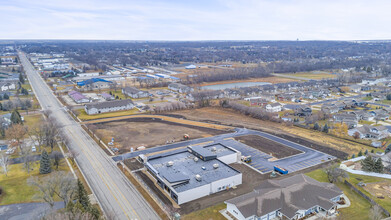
x: 4, y: 162
x: 37, y: 134
x: 375, y: 213
x: 75, y: 214
x: 27, y: 157
x: 56, y: 158
x: 51, y: 131
x: 16, y: 132
x: 59, y: 184
x: 334, y: 173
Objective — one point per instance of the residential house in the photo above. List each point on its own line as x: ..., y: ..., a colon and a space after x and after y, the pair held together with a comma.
x: 107, y: 97
x: 78, y: 97
x: 355, y: 88
x: 134, y: 92
x: 330, y: 108
x: 349, y: 119
x: 294, y: 197
x: 110, y: 106
x: 5, y: 86
x: 370, y: 132
x: 258, y: 102
x: 303, y: 111
x: 273, y: 107
x: 180, y: 88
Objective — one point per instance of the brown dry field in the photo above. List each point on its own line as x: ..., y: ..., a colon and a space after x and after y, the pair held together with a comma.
x: 268, y: 146
x: 229, y: 117
x: 379, y: 189
x: 271, y: 79
x: 147, y: 132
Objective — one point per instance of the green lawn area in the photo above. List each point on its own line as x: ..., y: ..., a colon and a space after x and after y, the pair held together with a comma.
x: 32, y: 120
x: 367, y: 98
x: 387, y: 102
x: 83, y: 115
x: 15, y: 187
x: 314, y: 75
x: 211, y: 213
x: 359, y: 208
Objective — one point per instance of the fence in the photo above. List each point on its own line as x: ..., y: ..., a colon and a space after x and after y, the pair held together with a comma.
x: 367, y: 198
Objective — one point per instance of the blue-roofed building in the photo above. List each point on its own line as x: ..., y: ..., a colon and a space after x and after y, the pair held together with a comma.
x: 95, y: 83
x: 188, y: 174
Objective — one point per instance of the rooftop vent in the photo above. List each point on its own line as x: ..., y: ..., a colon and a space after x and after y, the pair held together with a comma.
x: 204, y: 168
x: 198, y: 177
x: 170, y: 163
x: 214, y: 149
x: 216, y: 165
x: 195, y: 159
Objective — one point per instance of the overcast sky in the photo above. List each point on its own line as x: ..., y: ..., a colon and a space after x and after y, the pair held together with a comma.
x: 196, y: 20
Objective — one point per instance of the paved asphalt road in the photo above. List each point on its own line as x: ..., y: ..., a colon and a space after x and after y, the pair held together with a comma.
x: 22, y: 211
x: 114, y: 192
x: 309, y: 157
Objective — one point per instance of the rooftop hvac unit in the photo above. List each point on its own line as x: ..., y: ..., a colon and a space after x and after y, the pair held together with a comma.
x: 195, y: 159
x: 204, y: 168
x: 198, y: 177
x: 214, y: 149
x: 170, y: 163
x: 216, y: 165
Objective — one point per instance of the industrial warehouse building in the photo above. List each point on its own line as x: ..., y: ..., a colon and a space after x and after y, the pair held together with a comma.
x: 195, y: 172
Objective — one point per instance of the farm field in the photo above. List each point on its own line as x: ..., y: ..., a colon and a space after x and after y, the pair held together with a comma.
x: 267, y: 146
x: 147, y: 132
x: 272, y: 79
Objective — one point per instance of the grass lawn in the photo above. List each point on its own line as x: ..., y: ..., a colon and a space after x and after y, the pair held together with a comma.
x: 83, y: 115
x: 16, y: 189
x: 211, y: 213
x: 314, y: 75
x: 32, y: 120
x: 359, y: 208
x: 387, y: 102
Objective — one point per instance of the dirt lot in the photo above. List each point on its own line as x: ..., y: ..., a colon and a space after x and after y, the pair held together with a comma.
x: 147, y: 132
x: 338, y: 147
x: 267, y: 146
x: 379, y: 189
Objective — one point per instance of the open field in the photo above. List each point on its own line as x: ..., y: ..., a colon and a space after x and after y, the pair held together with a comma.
x: 32, y: 120
x: 267, y: 146
x: 16, y: 189
x: 359, y: 208
x: 147, y: 132
x: 312, y: 75
x: 81, y: 113
x: 272, y: 79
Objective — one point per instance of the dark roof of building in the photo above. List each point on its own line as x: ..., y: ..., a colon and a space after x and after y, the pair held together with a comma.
x: 109, y: 104
x: 132, y: 90
x: 287, y: 195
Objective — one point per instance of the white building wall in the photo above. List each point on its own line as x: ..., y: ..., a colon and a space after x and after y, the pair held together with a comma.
x: 231, y: 208
x: 193, y: 194
x: 230, y: 158
x: 226, y: 183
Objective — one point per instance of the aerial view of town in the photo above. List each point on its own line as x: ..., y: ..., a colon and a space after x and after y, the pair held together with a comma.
x: 209, y: 110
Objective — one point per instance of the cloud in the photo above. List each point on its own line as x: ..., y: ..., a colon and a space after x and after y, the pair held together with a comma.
x: 195, y: 20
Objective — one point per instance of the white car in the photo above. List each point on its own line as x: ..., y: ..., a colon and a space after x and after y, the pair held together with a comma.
x: 33, y: 149
x: 10, y: 151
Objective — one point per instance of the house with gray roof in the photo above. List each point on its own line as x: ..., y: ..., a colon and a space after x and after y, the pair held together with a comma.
x: 110, y: 106
x: 294, y: 197
x: 134, y: 92
x: 370, y: 132
x: 180, y: 88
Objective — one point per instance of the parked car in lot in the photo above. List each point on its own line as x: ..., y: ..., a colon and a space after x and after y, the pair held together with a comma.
x: 33, y: 149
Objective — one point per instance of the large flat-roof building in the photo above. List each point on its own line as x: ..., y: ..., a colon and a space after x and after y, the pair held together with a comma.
x: 195, y: 172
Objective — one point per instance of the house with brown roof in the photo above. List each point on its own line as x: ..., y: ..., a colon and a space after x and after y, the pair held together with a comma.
x: 291, y: 198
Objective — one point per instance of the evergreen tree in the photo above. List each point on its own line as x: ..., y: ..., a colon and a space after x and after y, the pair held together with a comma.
x: 6, y: 96
x: 353, y: 156
x: 368, y: 164
x: 372, y: 151
x: 388, y: 149
x: 45, y: 166
x: 366, y: 152
x: 316, y: 126
x: 359, y: 153
x: 1, y: 97
x: 82, y: 196
x: 326, y: 128
x: 379, y: 167
x: 16, y: 118
x: 21, y: 78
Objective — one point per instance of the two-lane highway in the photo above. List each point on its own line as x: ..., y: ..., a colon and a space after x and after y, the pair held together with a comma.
x: 114, y: 192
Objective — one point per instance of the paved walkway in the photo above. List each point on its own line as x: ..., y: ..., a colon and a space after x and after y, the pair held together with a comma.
x: 24, y: 211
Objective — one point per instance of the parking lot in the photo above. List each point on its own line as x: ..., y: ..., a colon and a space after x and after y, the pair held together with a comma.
x: 261, y: 161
